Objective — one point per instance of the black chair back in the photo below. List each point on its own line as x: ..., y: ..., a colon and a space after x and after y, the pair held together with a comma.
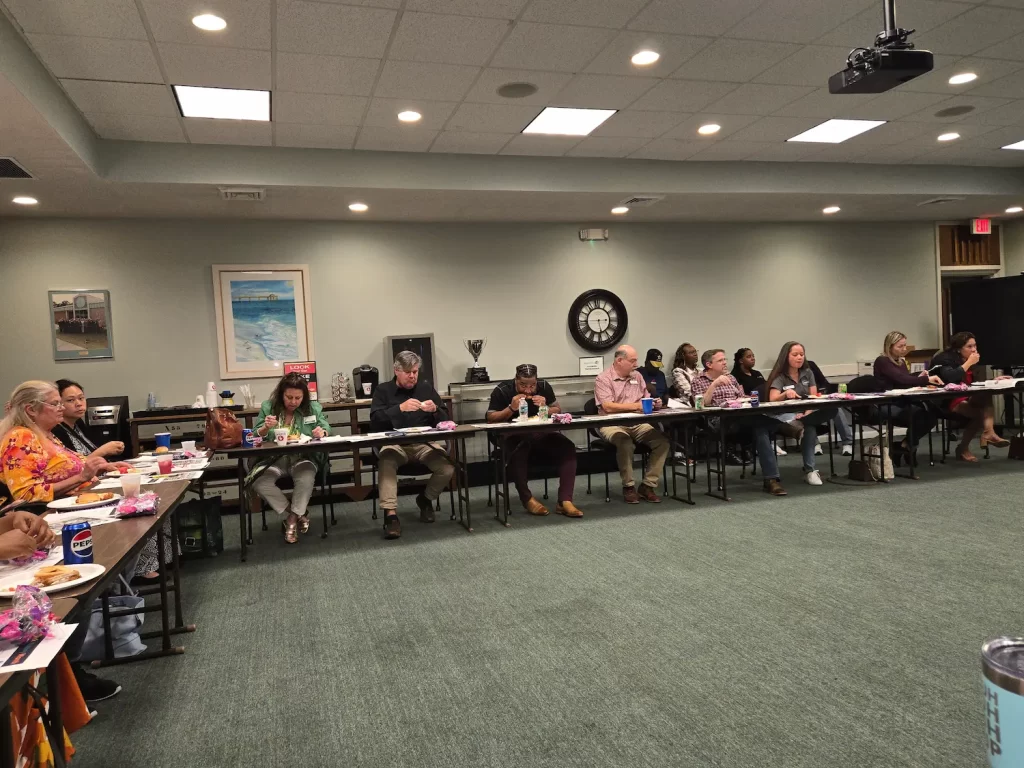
x: 863, y: 385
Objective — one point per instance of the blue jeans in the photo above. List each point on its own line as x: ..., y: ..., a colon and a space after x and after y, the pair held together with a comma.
x: 843, y: 430
x: 764, y: 428
x: 810, y: 436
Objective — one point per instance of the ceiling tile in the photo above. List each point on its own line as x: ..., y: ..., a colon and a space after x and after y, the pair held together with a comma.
x: 1007, y: 3
x: 551, y: 47
x: 332, y: 29
x: 812, y: 65
x: 1010, y: 87
x: 317, y: 108
x: 895, y: 132
x: 216, y: 67
x: 248, y: 22
x: 979, y: 28
x: 981, y: 105
x: 750, y: 99
x: 727, y: 150
x: 446, y: 39
x: 892, y: 105
x: 550, y: 146
x: 498, y: 9
x: 921, y: 15
x: 548, y: 85
x: 243, y: 132
x: 314, y: 136
x: 470, y: 143
x: 735, y: 61
x: 775, y: 129
x: 603, y: 91
x: 1011, y: 114
x: 97, y: 97
x: 92, y: 58
x: 821, y: 103
x: 606, y: 146
x: 312, y: 73
x: 693, y: 17
x: 937, y: 81
x: 434, y: 82
x: 1012, y: 49
x: 136, y: 127
x: 639, y: 124
x: 384, y: 112
x: 82, y: 18
x: 687, y: 129
x: 682, y: 95
x: 668, y: 149
x: 614, y: 59
x: 403, y: 139
x: 590, y: 13
x: 781, y: 153
x: 997, y: 137
x: 797, y: 21
x: 492, y: 118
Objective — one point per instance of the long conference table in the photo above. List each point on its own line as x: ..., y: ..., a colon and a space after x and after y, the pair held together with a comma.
x: 672, y: 419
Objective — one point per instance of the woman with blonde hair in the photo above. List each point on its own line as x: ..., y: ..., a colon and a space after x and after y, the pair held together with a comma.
x: 893, y: 373
x: 34, y: 465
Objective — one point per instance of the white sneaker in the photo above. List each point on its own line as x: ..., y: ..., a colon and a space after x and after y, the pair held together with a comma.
x: 813, y: 477
x: 847, y: 450
x: 817, y: 450
x: 779, y: 451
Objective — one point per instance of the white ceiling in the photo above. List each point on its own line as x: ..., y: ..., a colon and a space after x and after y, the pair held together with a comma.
x: 340, y: 72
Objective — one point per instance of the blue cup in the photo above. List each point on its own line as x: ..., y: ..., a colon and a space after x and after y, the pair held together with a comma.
x: 648, y: 404
x: 163, y: 440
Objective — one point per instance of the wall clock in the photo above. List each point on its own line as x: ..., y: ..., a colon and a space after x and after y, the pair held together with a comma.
x: 598, y: 320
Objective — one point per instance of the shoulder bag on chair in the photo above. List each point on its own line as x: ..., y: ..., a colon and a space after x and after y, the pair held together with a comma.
x: 223, y: 430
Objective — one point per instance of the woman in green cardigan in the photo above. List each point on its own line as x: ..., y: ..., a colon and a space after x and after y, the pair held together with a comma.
x: 290, y: 407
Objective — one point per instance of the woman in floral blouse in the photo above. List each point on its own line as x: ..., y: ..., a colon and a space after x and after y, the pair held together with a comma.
x: 33, y: 464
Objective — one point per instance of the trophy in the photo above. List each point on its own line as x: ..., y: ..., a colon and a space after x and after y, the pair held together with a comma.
x: 478, y: 373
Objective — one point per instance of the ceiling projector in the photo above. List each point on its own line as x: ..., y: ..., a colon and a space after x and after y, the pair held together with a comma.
x: 892, y: 62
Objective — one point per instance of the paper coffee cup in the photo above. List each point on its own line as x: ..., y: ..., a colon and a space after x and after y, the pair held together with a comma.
x: 188, y: 445
x: 280, y: 435
x: 130, y: 485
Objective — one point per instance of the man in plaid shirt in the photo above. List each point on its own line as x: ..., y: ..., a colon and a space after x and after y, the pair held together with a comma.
x: 718, y: 387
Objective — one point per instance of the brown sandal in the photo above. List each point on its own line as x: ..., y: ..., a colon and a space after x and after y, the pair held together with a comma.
x: 967, y: 456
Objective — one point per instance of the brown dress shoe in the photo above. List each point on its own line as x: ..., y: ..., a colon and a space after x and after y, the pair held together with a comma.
x: 534, y: 507
x: 568, y: 509
x: 647, y: 494
x: 630, y: 496
x: 774, y: 487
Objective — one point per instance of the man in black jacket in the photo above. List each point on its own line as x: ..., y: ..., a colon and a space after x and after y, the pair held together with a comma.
x: 404, y: 402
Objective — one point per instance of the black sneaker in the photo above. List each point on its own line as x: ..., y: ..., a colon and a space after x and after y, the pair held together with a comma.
x: 94, y: 688
x: 426, y: 509
x: 392, y: 528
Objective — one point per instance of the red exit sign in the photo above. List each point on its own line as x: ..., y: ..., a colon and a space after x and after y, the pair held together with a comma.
x: 981, y: 226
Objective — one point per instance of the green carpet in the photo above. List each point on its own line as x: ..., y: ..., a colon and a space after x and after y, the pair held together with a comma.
x: 837, y: 627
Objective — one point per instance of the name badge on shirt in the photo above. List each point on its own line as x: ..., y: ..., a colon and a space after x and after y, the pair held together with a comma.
x: 789, y: 386
x: 309, y: 420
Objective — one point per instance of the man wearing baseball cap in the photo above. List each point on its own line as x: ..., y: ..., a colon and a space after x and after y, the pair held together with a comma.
x: 654, y: 375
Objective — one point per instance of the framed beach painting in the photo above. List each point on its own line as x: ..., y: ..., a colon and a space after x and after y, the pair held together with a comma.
x: 264, y: 318
x: 80, y: 324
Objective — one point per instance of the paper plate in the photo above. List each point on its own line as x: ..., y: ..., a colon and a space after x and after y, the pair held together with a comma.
x: 67, y: 504
x: 89, y: 572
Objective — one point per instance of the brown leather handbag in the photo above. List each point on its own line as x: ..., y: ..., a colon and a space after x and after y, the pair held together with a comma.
x: 223, y: 430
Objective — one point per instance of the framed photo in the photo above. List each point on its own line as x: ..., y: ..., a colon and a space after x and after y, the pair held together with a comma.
x: 264, y: 318
x: 80, y: 324
x: 420, y: 343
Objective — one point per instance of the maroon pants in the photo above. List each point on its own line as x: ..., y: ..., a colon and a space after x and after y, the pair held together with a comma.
x: 549, y: 448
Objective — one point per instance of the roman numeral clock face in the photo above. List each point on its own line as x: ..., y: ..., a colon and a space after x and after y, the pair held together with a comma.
x: 598, y: 320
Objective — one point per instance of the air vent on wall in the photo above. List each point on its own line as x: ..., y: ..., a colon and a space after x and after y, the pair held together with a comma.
x: 940, y: 201
x: 9, y: 169
x: 639, y: 201
x: 243, y: 194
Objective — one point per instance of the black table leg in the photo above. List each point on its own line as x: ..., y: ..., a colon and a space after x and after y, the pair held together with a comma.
x: 323, y: 505
x: 241, y: 504
x: 503, y: 450
x: 55, y: 713
x: 674, y: 467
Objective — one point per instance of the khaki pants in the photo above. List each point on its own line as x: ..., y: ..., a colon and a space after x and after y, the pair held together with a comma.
x: 624, y: 437
x: 393, y: 456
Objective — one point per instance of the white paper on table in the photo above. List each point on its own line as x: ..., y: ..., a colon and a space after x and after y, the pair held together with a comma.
x: 173, y: 477
x: 95, y: 516
x: 37, y: 654
x: 679, y: 405
x: 55, y: 556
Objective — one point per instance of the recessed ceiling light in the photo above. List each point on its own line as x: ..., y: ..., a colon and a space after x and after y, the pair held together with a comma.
x: 963, y: 77
x: 948, y: 136
x: 709, y: 129
x: 830, y: 210
x: 837, y: 131
x: 25, y: 200
x: 1014, y: 209
x: 645, y: 58
x: 619, y: 210
x: 209, y: 23
x: 564, y: 121
x: 409, y: 116
x: 222, y: 103
x: 1016, y: 145
x: 358, y: 207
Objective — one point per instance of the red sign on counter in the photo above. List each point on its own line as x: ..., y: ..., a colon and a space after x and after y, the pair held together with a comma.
x: 307, y: 371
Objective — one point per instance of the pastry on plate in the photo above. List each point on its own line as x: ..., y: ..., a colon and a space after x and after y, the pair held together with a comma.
x: 49, y: 575
x: 92, y: 498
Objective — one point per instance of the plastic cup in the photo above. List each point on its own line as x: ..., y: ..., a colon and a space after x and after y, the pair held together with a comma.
x: 648, y: 404
x: 130, y: 485
x: 163, y: 440
x: 281, y: 436
x: 188, y: 445
x: 164, y: 466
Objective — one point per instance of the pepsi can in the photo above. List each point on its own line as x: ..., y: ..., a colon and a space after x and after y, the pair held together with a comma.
x: 755, y: 399
x: 77, y: 538
x: 247, y: 439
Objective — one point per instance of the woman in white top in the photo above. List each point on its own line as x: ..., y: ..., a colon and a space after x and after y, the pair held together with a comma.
x: 684, y: 371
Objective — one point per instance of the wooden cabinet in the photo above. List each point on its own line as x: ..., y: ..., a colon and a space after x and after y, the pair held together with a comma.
x: 959, y: 248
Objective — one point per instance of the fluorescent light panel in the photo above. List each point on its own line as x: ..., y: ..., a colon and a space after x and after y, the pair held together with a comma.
x: 565, y: 121
x: 1016, y: 145
x: 222, y: 103
x: 837, y: 131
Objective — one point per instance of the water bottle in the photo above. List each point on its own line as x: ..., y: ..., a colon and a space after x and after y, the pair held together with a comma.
x: 542, y: 412
x: 151, y: 401
x: 524, y: 409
